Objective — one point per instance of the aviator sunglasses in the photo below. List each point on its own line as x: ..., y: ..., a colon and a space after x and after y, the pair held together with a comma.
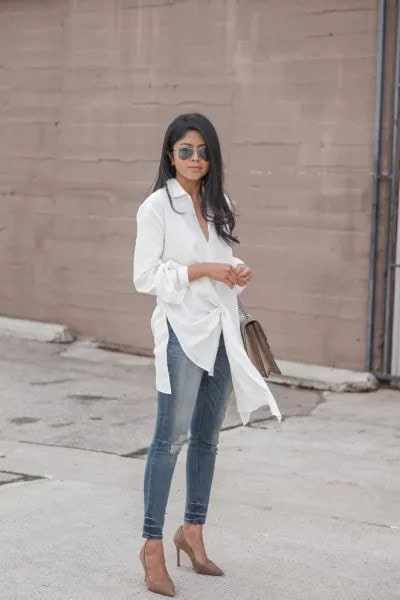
x: 185, y: 152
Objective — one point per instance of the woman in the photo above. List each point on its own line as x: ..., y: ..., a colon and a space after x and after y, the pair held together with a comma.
x: 183, y: 255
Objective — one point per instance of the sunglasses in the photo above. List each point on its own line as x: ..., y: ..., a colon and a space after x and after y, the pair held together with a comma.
x: 185, y: 152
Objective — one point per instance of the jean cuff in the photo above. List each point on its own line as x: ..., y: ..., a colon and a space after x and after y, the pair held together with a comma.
x: 195, y: 518
x: 152, y: 536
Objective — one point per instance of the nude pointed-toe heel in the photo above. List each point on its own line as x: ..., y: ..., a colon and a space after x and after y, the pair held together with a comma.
x: 181, y: 543
x: 164, y: 587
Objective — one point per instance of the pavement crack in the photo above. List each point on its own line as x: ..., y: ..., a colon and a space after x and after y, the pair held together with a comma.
x: 69, y: 447
x: 23, y: 420
x: 136, y: 453
x: 8, y: 477
x: 91, y: 397
x: 54, y: 381
x: 229, y: 427
x: 252, y: 424
x: 369, y: 523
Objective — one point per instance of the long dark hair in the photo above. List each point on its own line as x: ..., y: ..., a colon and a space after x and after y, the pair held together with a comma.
x: 213, y: 203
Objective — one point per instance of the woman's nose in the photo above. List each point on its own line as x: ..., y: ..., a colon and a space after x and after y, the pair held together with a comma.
x: 195, y: 155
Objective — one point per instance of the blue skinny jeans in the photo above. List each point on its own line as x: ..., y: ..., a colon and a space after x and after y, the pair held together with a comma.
x: 197, y: 405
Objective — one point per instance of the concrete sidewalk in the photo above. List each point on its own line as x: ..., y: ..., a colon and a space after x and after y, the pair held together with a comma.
x: 302, y: 510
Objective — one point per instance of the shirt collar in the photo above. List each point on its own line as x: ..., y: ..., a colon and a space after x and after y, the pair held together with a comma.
x: 181, y: 199
x: 175, y: 188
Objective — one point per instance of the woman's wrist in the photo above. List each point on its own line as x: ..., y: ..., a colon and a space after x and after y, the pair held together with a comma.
x: 197, y: 271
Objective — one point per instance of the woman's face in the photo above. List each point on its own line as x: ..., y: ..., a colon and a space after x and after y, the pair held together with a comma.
x: 194, y: 167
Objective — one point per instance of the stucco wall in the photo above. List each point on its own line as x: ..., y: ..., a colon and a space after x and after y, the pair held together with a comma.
x: 87, y: 89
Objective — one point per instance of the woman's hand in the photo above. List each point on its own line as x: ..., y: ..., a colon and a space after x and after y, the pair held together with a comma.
x: 243, y: 273
x: 223, y: 272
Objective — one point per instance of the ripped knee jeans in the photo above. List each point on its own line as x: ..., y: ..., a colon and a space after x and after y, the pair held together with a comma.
x: 194, y: 410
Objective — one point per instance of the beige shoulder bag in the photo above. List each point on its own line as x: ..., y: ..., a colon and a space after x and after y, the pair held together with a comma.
x: 256, y: 344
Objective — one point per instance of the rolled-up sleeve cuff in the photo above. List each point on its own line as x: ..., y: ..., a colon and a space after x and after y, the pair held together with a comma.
x: 237, y: 261
x: 183, y: 277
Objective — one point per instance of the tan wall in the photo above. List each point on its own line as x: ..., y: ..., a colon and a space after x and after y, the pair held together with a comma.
x: 87, y: 89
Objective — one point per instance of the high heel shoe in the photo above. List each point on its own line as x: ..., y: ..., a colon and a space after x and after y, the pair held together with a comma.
x: 165, y: 587
x: 181, y: 543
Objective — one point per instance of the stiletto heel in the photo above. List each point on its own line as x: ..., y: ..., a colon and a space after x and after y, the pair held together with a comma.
x: 181, y: 543
x: 178, y: 557
x: 165, y: 588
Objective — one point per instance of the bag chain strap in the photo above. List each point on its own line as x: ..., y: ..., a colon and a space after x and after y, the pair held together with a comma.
x: 242, y: 309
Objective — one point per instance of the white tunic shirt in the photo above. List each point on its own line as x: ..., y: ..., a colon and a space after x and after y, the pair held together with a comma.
x: 167, y: 243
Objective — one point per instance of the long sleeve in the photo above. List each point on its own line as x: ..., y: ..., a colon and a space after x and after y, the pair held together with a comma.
x: 237, y: 261
x: 167, y: 279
